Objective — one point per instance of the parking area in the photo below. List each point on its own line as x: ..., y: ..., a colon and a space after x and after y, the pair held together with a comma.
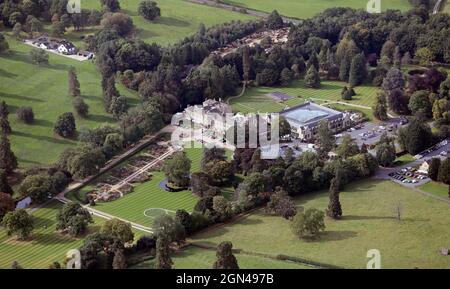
x: 409, y: 176
x: 369, y: 133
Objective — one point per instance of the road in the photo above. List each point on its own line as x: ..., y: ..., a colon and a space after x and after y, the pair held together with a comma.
x: 237, y: 8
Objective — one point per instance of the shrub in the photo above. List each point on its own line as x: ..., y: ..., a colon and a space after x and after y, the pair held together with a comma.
x: 25, y: 114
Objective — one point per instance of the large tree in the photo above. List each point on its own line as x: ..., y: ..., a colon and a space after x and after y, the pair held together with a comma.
x: 177, y: 169
x: 18, y: 223
x: 385, y: 149
x: 394, y: 80
x: 312, y: 78
x: 308, y: 223
x: 8, y: 161
x: 347, y: 148
x: 274, y: 21
x: 65, y: 125
x: 415, y: 137
x: 444, y: 172
x: 74, y: 84
x: 420, y: 103
x: 169, y: 227
x: 163, y: 260
x: 380, y: 108
x: 149, y: 10
x: 325, y: 138
x: 111, y: 5
x: 5, y: 127
x: 433, y: 170
x: 37, y: 187
x: 358, y: 70
x: 225, y: 257
x: 3, y: 44
x: 4, y: 185
x: 7, y: 204
x: 118, y: 229
x: 73, y: 219
x: 334, y: 210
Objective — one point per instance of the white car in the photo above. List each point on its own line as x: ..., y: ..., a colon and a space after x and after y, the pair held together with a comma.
x: 444, y: 153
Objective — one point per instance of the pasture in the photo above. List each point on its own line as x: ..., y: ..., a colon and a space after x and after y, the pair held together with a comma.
x: 45, y: 89
x: 369, y: 222
x: 308, y: 8
x: 437, y: 189
x: 255, y: 99
x: 46, y: 245
x: 178, y: 19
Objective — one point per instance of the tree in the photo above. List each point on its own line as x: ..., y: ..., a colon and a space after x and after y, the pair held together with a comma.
x: 444, y: 172
x: 225, y: 257
x: 281, y: 204
x: 4, y: 46
x: 424, y: 56
x: 65, y: 125
x: 74, y: 84
x: 420, y: 103
x: 149, y: 10
x: 358, y: 70
x: 246, y: 64
x: 440, y: 107
x: 73, y: 219
x: 347, y: 147
x: 385, y: 148
x: 119, y: 22
x: 170, y: 228
x: 163, y: 260
x: 398, y: 102
x: 81, y: 108
x: 18, y: 223
x: 325, y: 138
x: 119, y: 106
x: 39, y: 56
x: 85, y: 161
x: 388, y: 51
x: 25, y: 114
x: 308, y: 223
x: 380, y: 108
x: 4, y: 185
x: 312, y: 78
x: 5, y: 128
x: 119, y: 261
x: 433, y: 170
x: 214, y: 154
x: 394, y: 80
x: 111, y: 5
x: 185, y: 219
x: 7, y: 204
x: 118, y: 229
x: 8, y: 161
x: 334, y: 210
x: 177, y: 169
x: 274, y: 21
x: 415, y: 137
x: 286, y: 76
x: 221, y: 172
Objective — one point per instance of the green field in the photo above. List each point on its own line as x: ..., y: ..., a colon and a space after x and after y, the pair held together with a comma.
x: 149, y: 195
x: 196, y: 258
x: 45, y: 89
x: 46, y: 246
x: 308, y: 8
x: 435, y: 188
x: 178, y: 19
x: 369, y: 222
x: 256, y: 100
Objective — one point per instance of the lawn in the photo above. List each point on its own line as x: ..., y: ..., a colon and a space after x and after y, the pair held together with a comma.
x: 196, y: 258
x: 178, y: 19
x: 435, y: 188
x: 46, y: 246
x: 308, y: 8
x: 45, y: 89
x: 256, y: 100
x: 369, y: 223
x: 404, y: 159
x: 149, y: 195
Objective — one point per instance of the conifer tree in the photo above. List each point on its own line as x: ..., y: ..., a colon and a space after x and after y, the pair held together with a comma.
x: 357, y: 70
x: 8, y: 161
x: 4, y: 185
x: 312, y: 78
x: 74, y: 84
x: 163, y: 260
x: 5, y: 128
x: 334, y: 210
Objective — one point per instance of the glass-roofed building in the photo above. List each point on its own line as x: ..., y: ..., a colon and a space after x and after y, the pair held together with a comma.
x: 305, y: 118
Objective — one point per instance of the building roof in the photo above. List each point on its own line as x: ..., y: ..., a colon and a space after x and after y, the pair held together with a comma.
x: 310, y: 114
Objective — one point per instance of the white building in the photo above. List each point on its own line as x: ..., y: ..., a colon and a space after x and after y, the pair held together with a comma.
x: 305, y: 118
